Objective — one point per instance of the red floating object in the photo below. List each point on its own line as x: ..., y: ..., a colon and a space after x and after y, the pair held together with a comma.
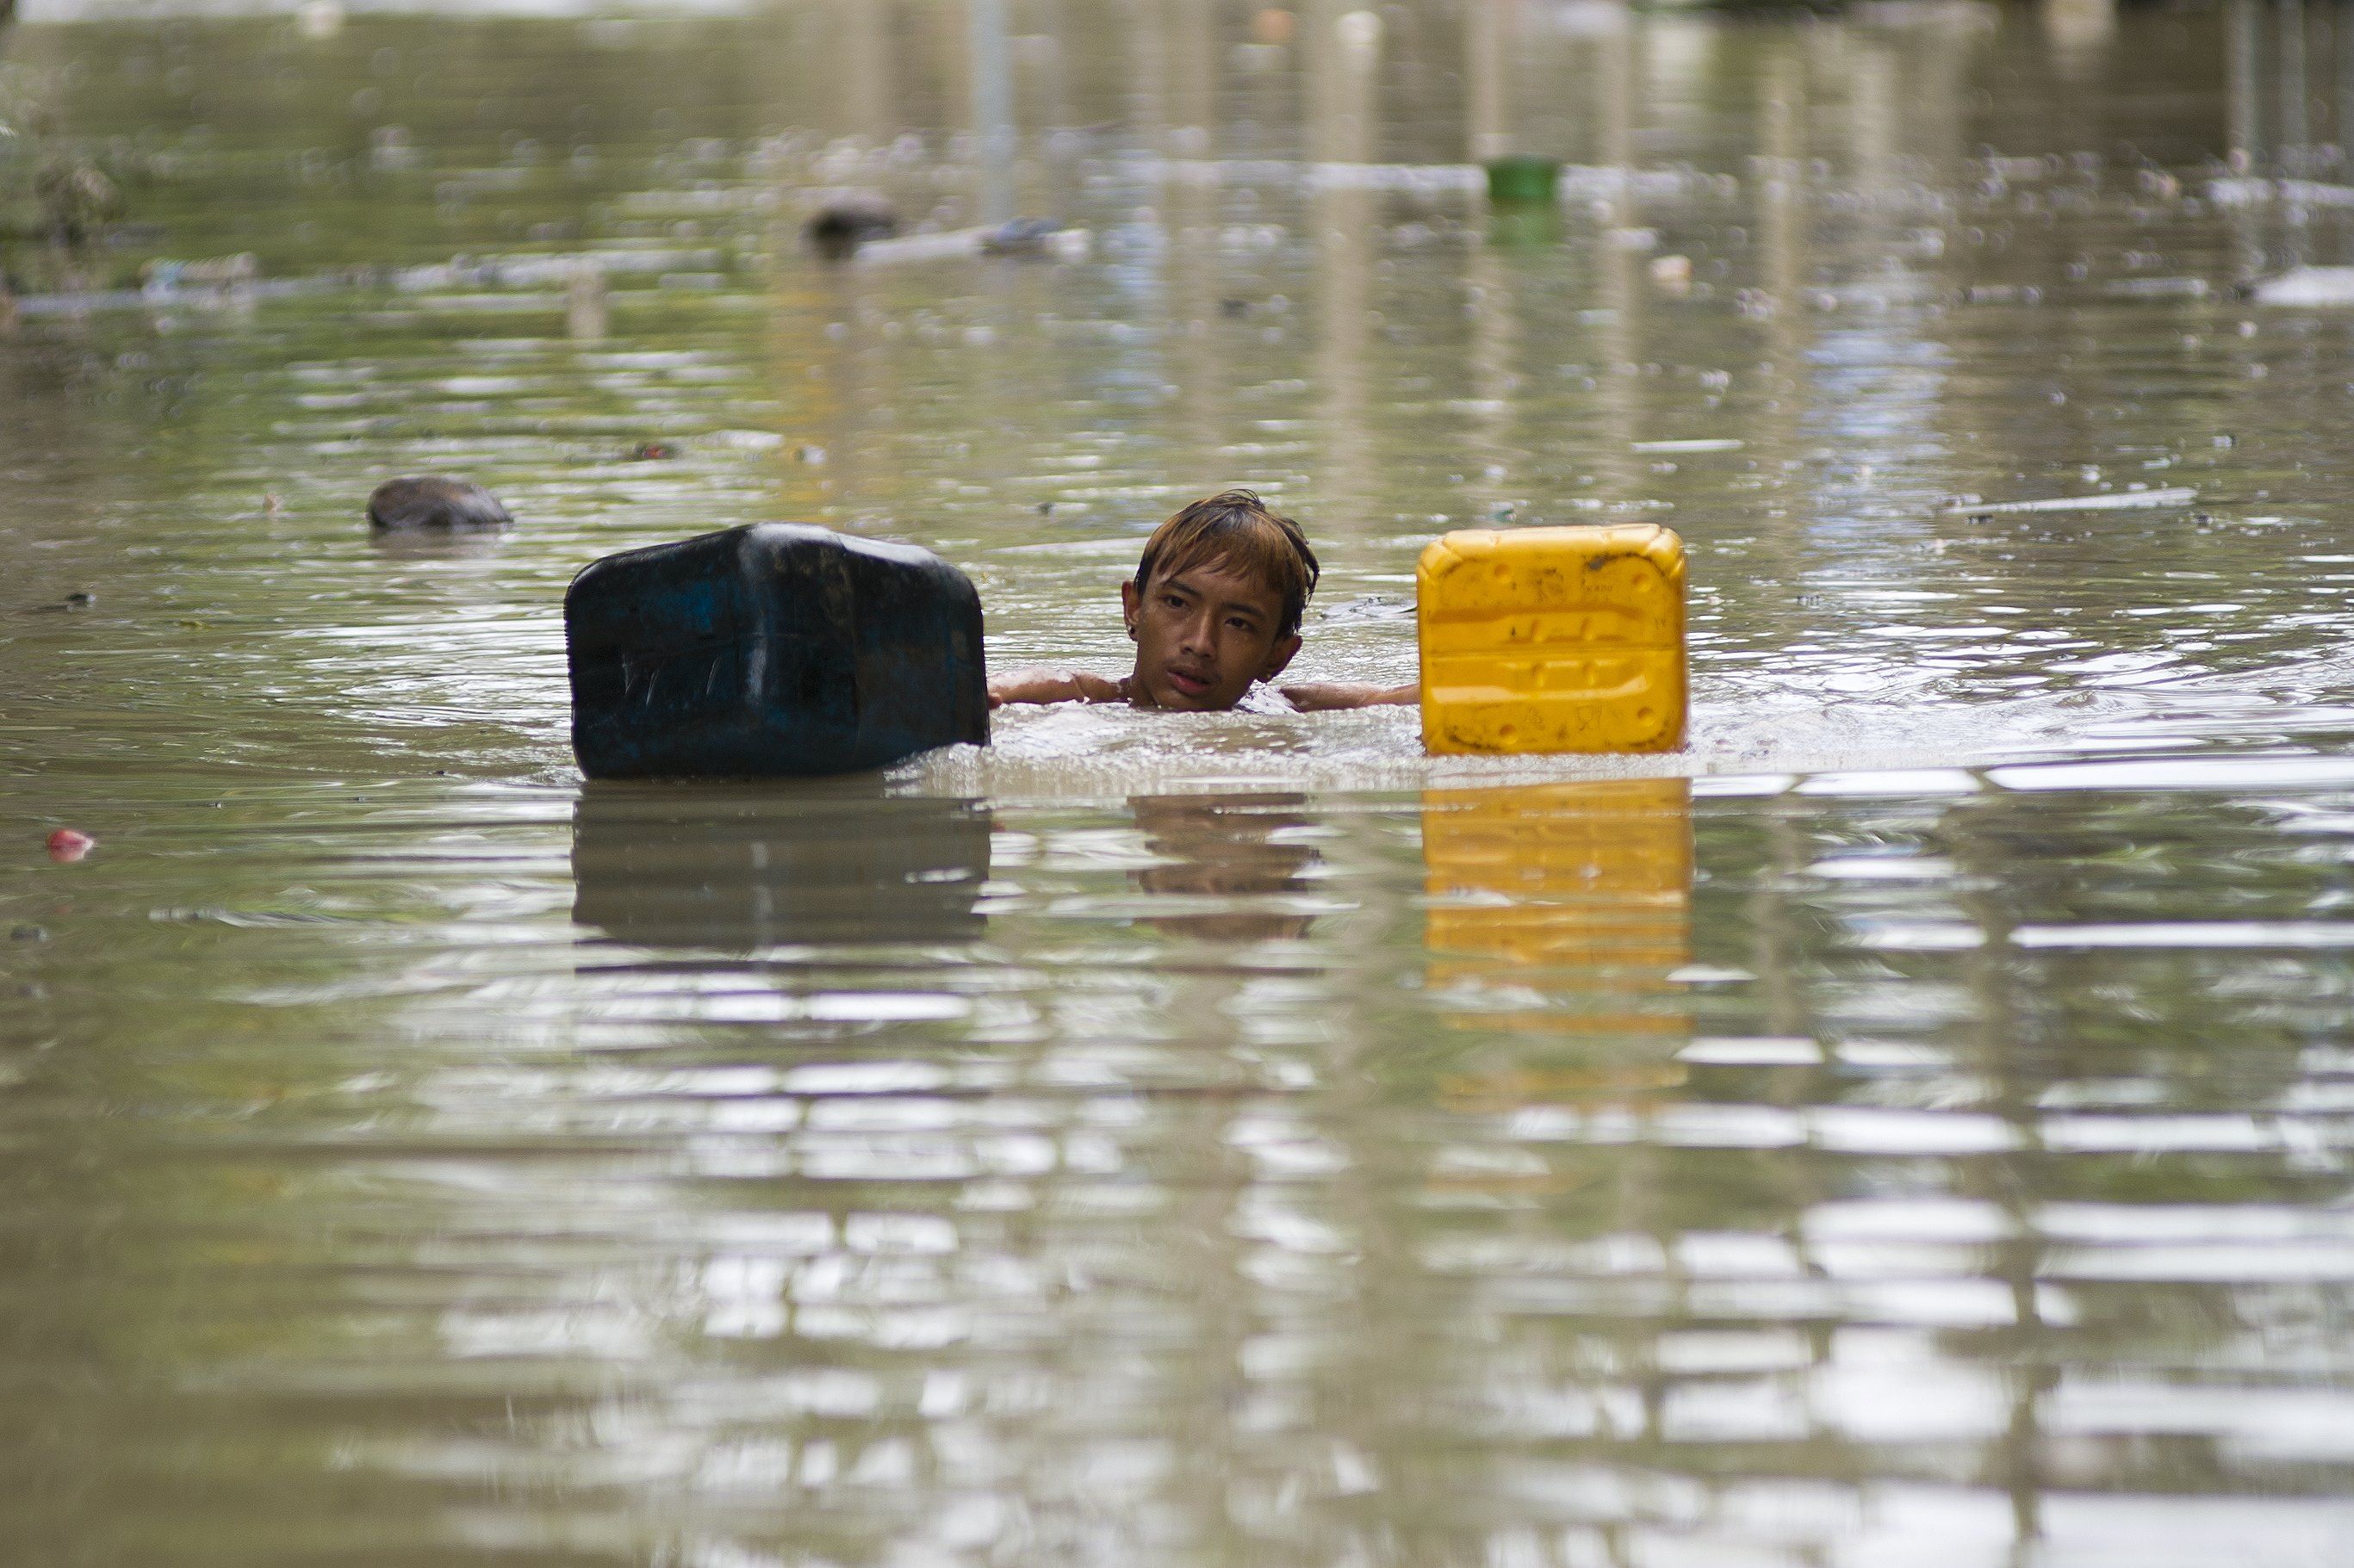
x: 65, y: 845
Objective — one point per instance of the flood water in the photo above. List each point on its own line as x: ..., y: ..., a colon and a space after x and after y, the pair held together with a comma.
x: 1911, y: 1127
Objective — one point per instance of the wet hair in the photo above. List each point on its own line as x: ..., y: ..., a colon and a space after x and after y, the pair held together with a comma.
x: 1236, y: 530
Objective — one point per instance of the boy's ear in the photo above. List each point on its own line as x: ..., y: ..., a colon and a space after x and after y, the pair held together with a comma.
x: 1280, y: 655
x: 1129, y: 604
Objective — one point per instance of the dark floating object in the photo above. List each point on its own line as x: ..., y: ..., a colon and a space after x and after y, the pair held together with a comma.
x: 1520, y: 180
x: 848, y: 221
x: 1022, y: 237
x: 742, y: 868
x: 435, y: 506
x: 650, y: 452
x: 774, y: 648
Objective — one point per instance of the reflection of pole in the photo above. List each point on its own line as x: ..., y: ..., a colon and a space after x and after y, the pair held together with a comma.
x: 1343, y: 51
x: 2000, y: 1033
x: 993, y: 110
x: 862, y: 69
x: 1486, y: 28
x: 2294, y: 130
x: 1614, y: 99
x: 1344, y: 69
x: 2341, y: 125
x: 1183, y: 111
x: 1619, y: 376
x: 1782, y: 235
x: 1495, y: 335
x: 1192, y: 75
x: 1051, y: 93
x: 846, y: 377
x: 1781, y: 137
x: 1147, y: 72
x: 1495, y: 328
x: 2240, y: 80
x: 1871, y: 101
x: 2077, y: 27
x: 1935, y: 67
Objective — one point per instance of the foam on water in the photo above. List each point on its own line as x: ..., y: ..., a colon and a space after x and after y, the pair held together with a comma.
x: 1080, y: 752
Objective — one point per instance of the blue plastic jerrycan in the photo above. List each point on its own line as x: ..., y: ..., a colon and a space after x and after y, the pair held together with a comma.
x: 774, y: 648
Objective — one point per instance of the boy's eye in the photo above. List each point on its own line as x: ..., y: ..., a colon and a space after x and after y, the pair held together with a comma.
x: 1174, y: 601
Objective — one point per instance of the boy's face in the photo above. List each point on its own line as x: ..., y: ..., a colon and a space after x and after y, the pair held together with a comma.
x: 1203, y: 635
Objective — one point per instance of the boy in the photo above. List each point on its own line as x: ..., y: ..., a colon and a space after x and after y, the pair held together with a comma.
x: 1214, y: 610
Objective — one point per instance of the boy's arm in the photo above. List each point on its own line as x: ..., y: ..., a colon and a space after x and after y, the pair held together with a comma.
x: 1312, y: 696
x: 1038, y: 685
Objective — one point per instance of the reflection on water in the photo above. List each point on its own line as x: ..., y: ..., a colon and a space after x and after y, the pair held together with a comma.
x: 1166, y: 1140
x: 740, y: 869
x: 1219, y: 846
x: 1559, y: 916
x: 1592, y: 877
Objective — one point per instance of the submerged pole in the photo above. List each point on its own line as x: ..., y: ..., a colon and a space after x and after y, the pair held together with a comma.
x: 993, y: 110
x: 2294, y: 127
x: 2240, y: 83
x: 1486, y: 78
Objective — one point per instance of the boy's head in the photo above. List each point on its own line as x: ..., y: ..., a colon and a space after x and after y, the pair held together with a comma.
x: 1216, y: 602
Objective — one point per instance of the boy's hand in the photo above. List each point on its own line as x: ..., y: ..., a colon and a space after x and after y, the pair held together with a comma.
x: 1056, y: 687
x: 1314, y: 696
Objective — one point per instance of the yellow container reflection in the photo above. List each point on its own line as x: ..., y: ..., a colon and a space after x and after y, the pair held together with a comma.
x: 1560, y: 911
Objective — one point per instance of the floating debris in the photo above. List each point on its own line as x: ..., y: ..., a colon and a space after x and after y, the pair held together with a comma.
x: 434, y: 504
x: 70, y: 845
x: 2124, y: 500
x: 2306, y: 286
x: 1522, y: 179
x: 548, y: 272
x: 2156, y: 287
x: 1576, y: 181
x: 1698, y: 444
x: 390, y: 151
x: 1033, y: 236
x: 2246, y: 192
x: 743, y: 440
x: 844, y: 220
x: 215, y: 275
x: 1371, y: 607
x: 1023, y: 237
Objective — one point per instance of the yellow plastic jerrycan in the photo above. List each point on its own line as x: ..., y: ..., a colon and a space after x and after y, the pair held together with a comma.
x: 1553, y: 640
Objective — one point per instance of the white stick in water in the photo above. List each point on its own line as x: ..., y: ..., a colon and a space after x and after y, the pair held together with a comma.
x: 2181, y: 495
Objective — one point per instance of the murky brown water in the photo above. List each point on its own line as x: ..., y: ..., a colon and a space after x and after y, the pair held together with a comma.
x: 1921, y: 1135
